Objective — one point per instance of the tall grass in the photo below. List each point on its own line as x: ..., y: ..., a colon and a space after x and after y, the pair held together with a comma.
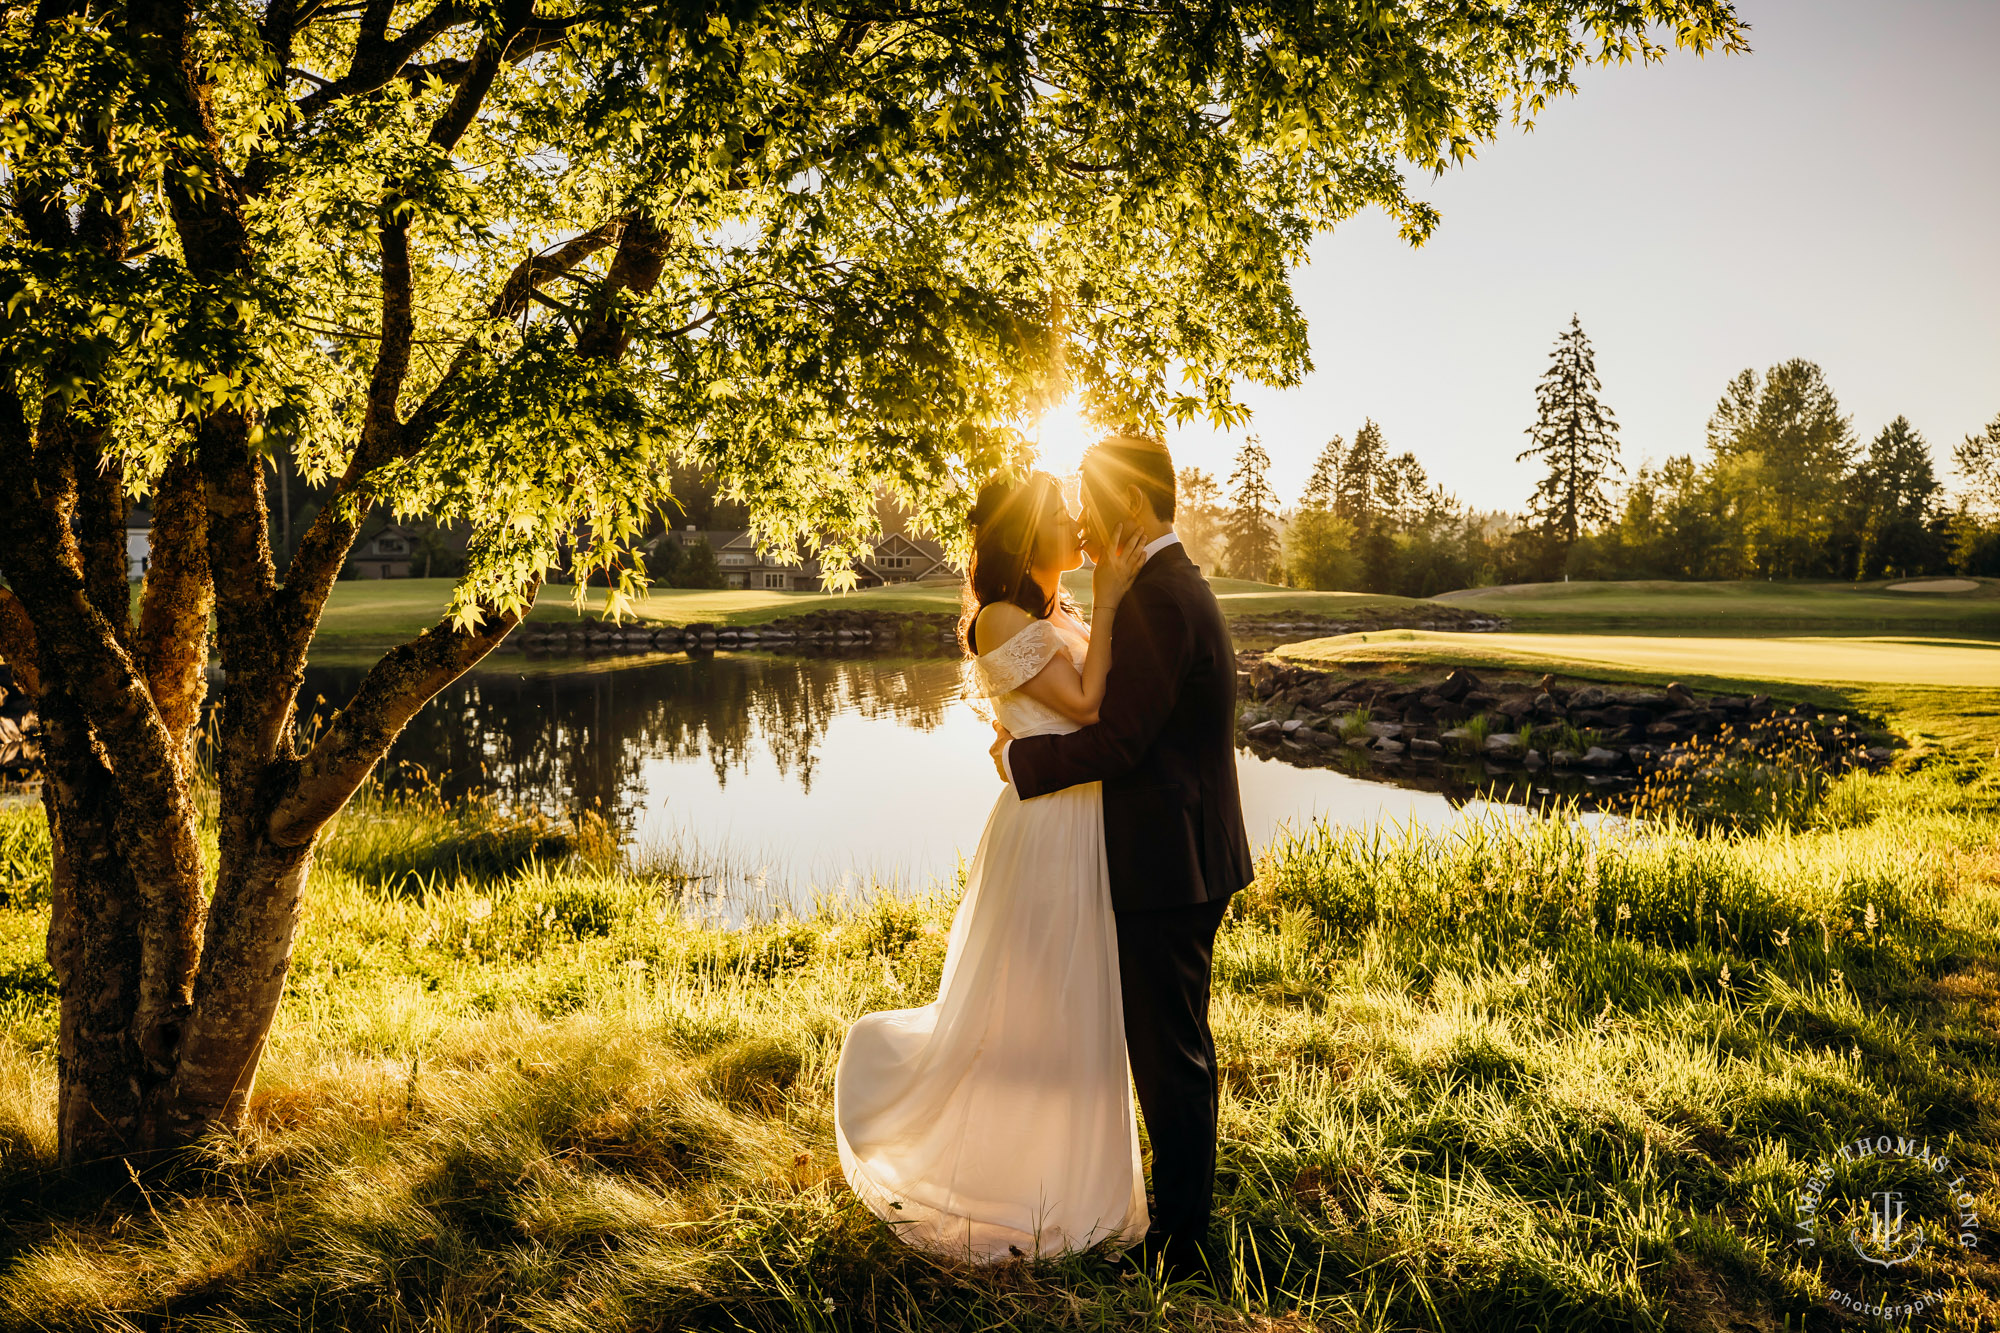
x: 1523, y: 1075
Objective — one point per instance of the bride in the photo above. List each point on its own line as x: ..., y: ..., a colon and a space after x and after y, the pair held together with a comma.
x: 997, y: 1120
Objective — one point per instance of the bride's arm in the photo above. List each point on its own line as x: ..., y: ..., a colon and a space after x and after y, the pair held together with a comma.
x: 1077, y: 696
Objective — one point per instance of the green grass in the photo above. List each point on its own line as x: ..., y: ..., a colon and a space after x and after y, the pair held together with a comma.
x: 387, y: 611
x: 1943, y: 694
x: 380, y: 612
x: 1745, y: 605
x: 1523, y: 1076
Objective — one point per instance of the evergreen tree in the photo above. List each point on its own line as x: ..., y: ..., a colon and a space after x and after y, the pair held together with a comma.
x: 1573, y: 435
x: 1360, y: 478
x: 1367, y: 496
x: 1318, y: 541
x: 1894, y: 493
x: 1198, y: 519
x: 1978, y: 463
x: 1792, y: 450
x: 1324, y: 483
x: 1252, y: 522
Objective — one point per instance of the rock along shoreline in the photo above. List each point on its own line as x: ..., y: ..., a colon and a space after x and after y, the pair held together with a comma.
x: 1608, y: 736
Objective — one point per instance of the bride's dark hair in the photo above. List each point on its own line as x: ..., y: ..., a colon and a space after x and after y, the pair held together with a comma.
x: 1005, y: 520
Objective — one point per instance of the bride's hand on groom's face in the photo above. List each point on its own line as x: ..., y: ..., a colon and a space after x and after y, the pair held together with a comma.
x: 1000, y: 738
x: 1116, y: 568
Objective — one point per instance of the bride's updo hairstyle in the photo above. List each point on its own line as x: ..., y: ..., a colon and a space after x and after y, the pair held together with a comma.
x: 1005, y: 521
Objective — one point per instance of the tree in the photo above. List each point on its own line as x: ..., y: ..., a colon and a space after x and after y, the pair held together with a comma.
x: 1977, y: 459
x: 1318, y: 542
x: 1362, y: 478
x: 502, y: 267
x: 1792, y: 449
x: 698, y: 567
x: 1894, y: 494
x: 1975, y: 521
x: 1680, y: 522
x: 1198, y: 516
x: 1574, y: 436
x: 1251, y: 525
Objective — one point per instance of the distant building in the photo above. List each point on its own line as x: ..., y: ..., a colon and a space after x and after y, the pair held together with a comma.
x: 386, y: 555
x: 901, y: 559
x: 897, y: 559
x: 138, y: 541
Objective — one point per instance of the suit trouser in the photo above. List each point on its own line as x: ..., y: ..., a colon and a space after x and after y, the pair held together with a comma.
x: 1163, y: 972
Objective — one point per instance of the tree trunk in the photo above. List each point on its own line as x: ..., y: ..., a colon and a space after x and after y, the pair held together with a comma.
x: 252, y: 924
x: 167, y: 997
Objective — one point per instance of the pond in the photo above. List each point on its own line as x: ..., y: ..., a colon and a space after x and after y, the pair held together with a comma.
x: 780, y: 777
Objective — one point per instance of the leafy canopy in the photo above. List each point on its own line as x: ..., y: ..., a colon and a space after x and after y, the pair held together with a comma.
x: 885, y: 236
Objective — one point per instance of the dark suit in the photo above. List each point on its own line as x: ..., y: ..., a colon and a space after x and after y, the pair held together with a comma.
x: 1164, y: 748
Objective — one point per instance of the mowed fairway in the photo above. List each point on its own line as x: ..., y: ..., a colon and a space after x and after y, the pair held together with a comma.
x: 387, y: 611
x: 1968, y: 604
x: 1966, y: 664
x: 1942, y: 690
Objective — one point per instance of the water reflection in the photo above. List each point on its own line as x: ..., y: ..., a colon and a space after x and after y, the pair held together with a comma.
x: 782, y: 776
x: 572, y: 735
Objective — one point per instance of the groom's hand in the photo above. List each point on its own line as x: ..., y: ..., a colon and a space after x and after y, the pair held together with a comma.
x: 1000, y: 738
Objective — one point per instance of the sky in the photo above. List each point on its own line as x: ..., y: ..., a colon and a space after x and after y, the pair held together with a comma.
x: 1833, y: 195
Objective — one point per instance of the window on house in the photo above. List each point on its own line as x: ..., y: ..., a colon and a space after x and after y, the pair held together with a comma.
x: 774, y: 580
x: 735, y: 559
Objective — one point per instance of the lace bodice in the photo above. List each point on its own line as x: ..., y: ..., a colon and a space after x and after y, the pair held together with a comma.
x: 999, y: 674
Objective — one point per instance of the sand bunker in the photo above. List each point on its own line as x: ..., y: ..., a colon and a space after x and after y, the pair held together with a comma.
x: 1935, y: 585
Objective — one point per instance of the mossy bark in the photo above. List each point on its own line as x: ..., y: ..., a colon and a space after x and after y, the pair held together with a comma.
x: 168, y: 993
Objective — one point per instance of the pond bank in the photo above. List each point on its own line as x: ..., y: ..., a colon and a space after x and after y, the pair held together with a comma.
x: 856, y: 629
x: 1610, y: 738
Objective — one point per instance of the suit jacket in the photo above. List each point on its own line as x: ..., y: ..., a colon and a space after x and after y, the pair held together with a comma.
x: 1164, y: 746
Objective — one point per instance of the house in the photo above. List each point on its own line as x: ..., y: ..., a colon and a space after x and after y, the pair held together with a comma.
x: 897, y: 559
x: 900, y: 558
x: 138, y: 541
x: 743, y: 566
x: 386, y: 555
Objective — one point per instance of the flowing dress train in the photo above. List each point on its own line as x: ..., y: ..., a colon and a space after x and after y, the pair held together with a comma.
x: 998, y: 1119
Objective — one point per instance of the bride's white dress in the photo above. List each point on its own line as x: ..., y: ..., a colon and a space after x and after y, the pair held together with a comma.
x: 998, y: 1119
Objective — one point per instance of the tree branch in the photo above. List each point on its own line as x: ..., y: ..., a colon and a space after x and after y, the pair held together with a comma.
x: 377, y: 58
x: 635, y: 269
x: 180, y: 592
x: 361, y: 733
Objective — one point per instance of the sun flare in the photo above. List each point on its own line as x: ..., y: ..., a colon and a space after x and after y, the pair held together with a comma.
x: 1061, y: 434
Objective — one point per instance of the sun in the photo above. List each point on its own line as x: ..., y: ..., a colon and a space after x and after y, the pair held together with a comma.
x: 1060, y: 435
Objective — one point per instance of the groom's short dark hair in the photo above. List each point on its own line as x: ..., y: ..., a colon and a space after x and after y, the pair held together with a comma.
x: 1131, y: 457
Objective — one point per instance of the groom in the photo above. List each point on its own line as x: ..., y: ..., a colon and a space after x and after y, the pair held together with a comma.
x: 1164, y: 748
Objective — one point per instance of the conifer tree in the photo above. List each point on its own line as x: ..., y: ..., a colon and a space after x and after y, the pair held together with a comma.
x: 1318, y: 541
x: 1359, y: 482
x: 1791, y: 450
x: 1252, y: 523
x: 1575, y: 437
x: 1893, y: 496
x: 1198, y: 517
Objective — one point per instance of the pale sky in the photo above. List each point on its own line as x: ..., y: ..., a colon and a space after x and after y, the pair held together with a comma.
x: 1833, y: 195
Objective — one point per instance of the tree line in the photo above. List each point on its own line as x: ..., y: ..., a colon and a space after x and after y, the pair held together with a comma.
x: 1783, y: 489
